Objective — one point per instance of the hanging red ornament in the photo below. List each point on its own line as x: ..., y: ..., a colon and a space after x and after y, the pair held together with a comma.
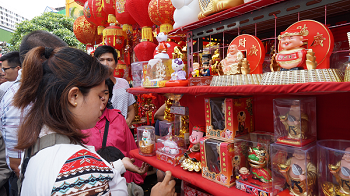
x: 93, y: 12
x: 138, y: 9
x: 144, y: 50
x: 161, y: 13
x: 86, y: 32
x: 123, y: 16
x: 109, y: 9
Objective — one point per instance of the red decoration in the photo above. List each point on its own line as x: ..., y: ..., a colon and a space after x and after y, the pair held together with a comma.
x: 93, y: 12
x: 170, y: 49
x: 161, y: 13
x: 80, y: 2
x: 114, y: 36
x: 319, y: 39
x: 86, y: 32
x: 138, y: 9
x: 255, y: 51
x: 109, y: 6
x: 144, y: 50
x: 122, y: 14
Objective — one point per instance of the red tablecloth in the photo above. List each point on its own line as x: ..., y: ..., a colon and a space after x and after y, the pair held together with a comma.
x: 191, y: 177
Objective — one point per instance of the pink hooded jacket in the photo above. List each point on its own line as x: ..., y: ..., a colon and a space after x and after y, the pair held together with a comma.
x: 119, y: 136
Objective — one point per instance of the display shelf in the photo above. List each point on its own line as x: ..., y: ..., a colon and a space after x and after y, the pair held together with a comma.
x: 225, y: 14
x: 305, y: 88
x: 191, y: 177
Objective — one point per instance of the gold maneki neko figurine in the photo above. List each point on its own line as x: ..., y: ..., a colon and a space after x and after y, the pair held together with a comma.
x: 341, y: 172
x: 295, y: 123
x: 300, y: 174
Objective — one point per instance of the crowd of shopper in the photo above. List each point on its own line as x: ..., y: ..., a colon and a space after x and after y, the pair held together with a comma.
x: 58, y: 106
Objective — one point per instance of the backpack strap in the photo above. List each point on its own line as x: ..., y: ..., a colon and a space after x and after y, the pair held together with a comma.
x: 41, y: 143
x: 105, y: 134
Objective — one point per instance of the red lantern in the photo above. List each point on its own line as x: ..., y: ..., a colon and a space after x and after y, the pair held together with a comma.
x: 93, y: 12
x: 86, y: 32
x: 122, y: 15
x: 80, y: 2
x: 161, y: 13
x: 114, y: 36
x: 144, y: 50
x: 109, y: 9
x: 138, y: 9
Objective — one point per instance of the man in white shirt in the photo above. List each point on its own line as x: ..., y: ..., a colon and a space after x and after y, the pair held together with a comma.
x: 121, y: 99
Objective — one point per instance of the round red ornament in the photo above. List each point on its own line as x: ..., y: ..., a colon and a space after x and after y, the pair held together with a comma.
x: 93, y: 12
x: 123, y: 16
x: 144, y: 50
x: 86, y: 32
x: 114, y: 36
x: 138, y: 9
x: 161, y: 13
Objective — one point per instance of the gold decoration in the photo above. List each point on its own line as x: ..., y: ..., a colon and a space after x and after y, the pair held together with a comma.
x: 209, y: 7
x: 311, y: 60
x: 253, y: 51
x: 245, y: 66
x: 242, y: 42
x: 318, y: 40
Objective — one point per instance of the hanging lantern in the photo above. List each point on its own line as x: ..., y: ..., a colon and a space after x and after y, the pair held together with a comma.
x: 138, y: 9
x: 144, y: 51
x: 114, y: 36
x: 123, y: 16
x: 80, y: 2
x: 161, y: 13
x: 109, y: 9
x: 86, y: 32
x: 93, y: 12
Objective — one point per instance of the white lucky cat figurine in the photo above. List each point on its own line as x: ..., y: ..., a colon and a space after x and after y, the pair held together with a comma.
x: 146, y: 138
x: 186, y: 12
x: 170, y: 147
x: 162, y: 48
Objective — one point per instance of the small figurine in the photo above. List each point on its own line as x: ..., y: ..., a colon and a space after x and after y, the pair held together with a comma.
x: 230, y: 65
x: 245, y: 66
x: 162, y: 47
x: 244, y: 173
x: 146, y: 138
x: 341, y: 172
x: 206, y: 70
x: 295, y: 122
x: 241, y: 117
x: 195, y: 72
x: 258, y: 159
x: 179, y: 74
x: 293, y: 56
x: 300, y: 174
x: 192, y: 156
x: 170, y: 147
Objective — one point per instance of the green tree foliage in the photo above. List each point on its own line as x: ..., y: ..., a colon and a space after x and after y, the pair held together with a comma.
x: 57, y: 24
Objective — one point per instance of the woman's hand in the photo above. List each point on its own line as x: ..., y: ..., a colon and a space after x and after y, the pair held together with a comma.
x: 129, y: 165
x: 165, y: 188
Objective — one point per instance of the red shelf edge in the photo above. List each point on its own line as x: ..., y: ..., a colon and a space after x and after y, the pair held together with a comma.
x: 304, y: 88
x: 191, y: 177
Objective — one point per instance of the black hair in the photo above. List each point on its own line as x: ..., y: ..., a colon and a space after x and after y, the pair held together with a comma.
x: 12, y: 59
x: 110, y: 85
x: 110, y: 154
x: 39, y: 38
x: 106, y: 49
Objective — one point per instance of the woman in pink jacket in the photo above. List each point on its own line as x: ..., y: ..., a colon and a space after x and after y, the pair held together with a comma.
x: 119, y: 134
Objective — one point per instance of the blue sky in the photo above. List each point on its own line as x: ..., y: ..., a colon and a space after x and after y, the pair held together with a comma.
x: 30, y: 8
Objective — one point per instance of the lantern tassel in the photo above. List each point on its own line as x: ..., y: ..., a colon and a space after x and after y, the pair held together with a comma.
x: 100, y: 30
x: 112, y: 18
